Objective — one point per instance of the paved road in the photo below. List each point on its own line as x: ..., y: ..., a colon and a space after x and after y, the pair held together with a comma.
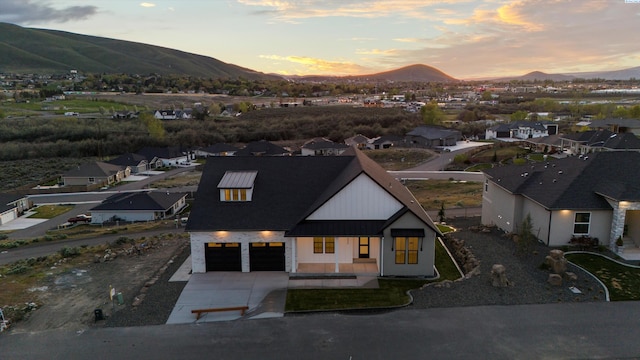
x: 557, y: 331
x: 83, y: 202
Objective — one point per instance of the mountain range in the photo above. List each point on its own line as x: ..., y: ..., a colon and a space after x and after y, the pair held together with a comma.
x: 27, y: 50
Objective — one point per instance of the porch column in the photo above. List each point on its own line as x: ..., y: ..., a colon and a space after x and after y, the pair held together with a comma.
x: 336, y: 241
x: 617, y: 223
x: 294, y: 259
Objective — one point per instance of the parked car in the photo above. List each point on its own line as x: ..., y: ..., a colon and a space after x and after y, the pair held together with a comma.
x: 80, y: 218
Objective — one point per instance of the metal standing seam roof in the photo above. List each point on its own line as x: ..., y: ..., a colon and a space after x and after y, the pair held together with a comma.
x: 238, y: 180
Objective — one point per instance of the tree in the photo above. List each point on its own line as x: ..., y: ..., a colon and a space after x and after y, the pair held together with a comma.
x: 519, y: 115
x: 154, y: 126
x: 526, y: 240
x: 431, y: 113
x: 441, y: 212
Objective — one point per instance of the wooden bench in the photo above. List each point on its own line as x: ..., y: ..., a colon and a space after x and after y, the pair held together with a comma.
x: 199, y: 312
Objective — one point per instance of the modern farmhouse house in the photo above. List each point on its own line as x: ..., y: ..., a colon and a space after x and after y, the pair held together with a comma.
x: 595, y: 195
x: 284, y: 213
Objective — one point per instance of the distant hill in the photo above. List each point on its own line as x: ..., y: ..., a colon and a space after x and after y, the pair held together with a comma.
x: 538, y: 76
x: 25, y: 50
x: 624, y: 74
x: 417, y: 73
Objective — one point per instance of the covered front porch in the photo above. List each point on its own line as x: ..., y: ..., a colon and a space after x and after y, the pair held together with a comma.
x: 338, y: 256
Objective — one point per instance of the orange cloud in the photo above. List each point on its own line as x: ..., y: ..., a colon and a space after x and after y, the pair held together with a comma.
x: 317, y: 66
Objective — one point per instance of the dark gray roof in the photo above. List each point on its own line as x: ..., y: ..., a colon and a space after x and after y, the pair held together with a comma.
x: 128, y: 159
x: 574, y: 182
x: 7, y: 201
x: 286, y: 190
x: 219, y: 148
x: 605, y: 139
x: 162, y: 152
x: 151, y: 200
x: 261, y: 148
x: 94, y: 169
x: 433, y: 132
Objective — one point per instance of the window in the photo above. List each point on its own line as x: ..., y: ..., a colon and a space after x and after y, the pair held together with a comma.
x: 235, y: 194
x: 324, y: 245
x: 486, y: 185
x: 407, y: 250
x: 581, y: 223
x: 92, y: 180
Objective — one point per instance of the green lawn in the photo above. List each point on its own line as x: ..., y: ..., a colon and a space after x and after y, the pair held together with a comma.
x: 622, y: 281
x: 50, y: 211
x: 391, y: 293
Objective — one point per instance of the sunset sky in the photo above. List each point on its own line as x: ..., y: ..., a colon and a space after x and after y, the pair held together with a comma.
x: 464, y: 38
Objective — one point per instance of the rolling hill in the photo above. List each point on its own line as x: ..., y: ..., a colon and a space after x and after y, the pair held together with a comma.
x: 26, y: 50
x: 417, y: 73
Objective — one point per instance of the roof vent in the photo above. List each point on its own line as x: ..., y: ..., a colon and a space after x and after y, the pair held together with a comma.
x: 560, y: 172
x: 586, y: 157
x: 555, y: 180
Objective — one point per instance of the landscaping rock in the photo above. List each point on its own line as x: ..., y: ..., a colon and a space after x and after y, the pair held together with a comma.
x: 499, y: 276
x: 555, y: 280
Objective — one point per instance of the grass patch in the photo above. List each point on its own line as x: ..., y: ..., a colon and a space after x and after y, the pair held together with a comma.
x: 431, y: 193
x: 622, y: 281
x: 189, y: 178
x: 50, y: 211
x: 399, y: 159
x: 501, y: 153
x: 479, y: 167
x: 391, y: 293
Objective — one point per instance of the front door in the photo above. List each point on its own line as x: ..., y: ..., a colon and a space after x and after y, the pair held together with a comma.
x: 363, y: 248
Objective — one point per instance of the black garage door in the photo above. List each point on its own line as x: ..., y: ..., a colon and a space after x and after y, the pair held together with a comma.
x: 266, y: 256
x: 223, y: 256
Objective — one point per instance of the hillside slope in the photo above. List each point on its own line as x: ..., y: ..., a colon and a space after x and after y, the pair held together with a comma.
x: 25, y: 50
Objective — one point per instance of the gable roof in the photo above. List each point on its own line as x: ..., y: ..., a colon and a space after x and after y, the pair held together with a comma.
x: 575, y: 182
x: 128, y: 159
x: 162, y: 152
x: 606, y: 139
x: 151, y: 200
x: 261, y: 147
x: 7, y: 201
x: 94, y: 169
x: 286, y: 190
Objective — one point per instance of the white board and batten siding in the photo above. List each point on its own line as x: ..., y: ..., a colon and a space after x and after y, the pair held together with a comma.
x: 362, y: 199
x: 199, y: 239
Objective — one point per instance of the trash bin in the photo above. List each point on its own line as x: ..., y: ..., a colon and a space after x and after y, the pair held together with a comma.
x: 98, y: 314
x: 120, y: 298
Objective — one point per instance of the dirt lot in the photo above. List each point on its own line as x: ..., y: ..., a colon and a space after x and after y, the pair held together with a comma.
x: 67, y: 299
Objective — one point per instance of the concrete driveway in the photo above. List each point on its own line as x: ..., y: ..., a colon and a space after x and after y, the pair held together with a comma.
x: 264, y: 292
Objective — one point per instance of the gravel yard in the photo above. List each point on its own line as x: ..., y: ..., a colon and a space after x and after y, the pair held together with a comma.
x: 524, y: 272
x: 529, y: 282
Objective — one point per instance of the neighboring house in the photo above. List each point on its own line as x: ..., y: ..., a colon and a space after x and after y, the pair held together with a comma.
x: 288, y: 213
x: 521, y: 130
x: 166, y: 156
x: 12, y: 206
x: 432, y: 136
x: 385, y: 142
x: 165, y: 114
x: 136, y: 162
x: 95, y: 173
x: 548, y: 144
x: 262, y: 148
x: 219, y: 149
x: 322, y: 147
x: 596, y: 195
x: 618, y: 125
x: 599, y: 140
x: 358, y: 141
x: 139, y: 206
